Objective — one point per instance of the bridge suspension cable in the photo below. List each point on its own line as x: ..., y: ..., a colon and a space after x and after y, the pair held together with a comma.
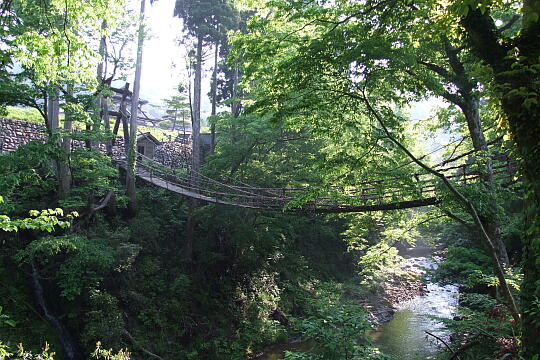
x: 360, y: 197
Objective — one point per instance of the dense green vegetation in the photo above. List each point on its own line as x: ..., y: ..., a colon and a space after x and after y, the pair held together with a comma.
x: 318, y: 96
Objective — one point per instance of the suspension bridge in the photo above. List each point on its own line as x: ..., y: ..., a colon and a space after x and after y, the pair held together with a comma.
x: 374, y: 195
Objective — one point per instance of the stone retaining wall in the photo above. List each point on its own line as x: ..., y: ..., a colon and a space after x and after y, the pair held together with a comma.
x: 14, y: 133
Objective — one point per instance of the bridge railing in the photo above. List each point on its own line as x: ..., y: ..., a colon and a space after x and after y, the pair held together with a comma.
x: 377, y: 191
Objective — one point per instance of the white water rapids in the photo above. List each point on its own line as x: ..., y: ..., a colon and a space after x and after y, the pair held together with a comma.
x: 405, y: 335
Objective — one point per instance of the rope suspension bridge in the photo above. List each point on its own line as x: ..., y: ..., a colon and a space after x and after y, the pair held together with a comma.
x: 367, y: 196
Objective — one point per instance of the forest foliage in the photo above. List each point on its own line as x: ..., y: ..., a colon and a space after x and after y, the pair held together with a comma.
x: 318, y: 95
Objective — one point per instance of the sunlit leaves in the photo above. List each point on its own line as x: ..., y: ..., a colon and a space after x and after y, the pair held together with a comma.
x: 48, y: 38
x: 44, y: 220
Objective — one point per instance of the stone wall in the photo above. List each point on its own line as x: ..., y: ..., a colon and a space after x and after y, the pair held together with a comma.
x: 14, y: 133
x: 173, y: 154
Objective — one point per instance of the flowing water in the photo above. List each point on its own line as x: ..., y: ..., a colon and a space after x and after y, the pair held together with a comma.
x: 405, y: 335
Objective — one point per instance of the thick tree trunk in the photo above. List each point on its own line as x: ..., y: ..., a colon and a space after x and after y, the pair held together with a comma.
x: 469, y: 103
x: 517, y: 80
x: 123, y: 117
x: 46, y: 112
x: 196, y: 116
x: 53, y: 111
x: 491, y: 221
x: 132, y: 148
x: 107, y: 122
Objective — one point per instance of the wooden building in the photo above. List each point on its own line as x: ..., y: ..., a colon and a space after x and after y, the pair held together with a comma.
x: 146, y: 144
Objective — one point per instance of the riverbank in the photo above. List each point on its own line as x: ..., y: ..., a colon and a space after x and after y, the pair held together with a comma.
x: 403, y: 284
x: 404, y: 336
x: 380, y: 302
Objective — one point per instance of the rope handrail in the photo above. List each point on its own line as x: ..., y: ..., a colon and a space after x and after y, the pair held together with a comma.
x: 368, y: 195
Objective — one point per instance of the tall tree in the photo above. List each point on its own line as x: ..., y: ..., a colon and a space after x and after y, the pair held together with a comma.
x: 134, y: 118
x: 200, y: 18
x: 213, y: 90
x: 177, y: 106
x: 310, y: 60
x: 515, y: 69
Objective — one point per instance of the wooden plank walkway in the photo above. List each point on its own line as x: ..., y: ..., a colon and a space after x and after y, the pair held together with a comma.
x: 363, y: 198
x: 309, y: 208
x: 167, y: 185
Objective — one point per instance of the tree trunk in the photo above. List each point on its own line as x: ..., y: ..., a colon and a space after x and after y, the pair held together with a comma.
x: 468, y: 102
x: 63, y: 167
x: 123, y: 117
x: 195, y: 151
x: 132, y: 148
x: 103, y: 100
x: 196, y: 116
x: 184, y: 124
x: 517, y: 80
x: 214, y: 99
x: 53, y: 110
x: 107, y: 122
x: 491, y: 221
x: 46, y: 111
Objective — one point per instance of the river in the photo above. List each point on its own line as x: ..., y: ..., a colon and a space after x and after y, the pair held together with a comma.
x: 404, y: 336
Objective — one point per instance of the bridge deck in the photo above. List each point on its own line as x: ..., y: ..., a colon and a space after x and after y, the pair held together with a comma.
x: 310, y: 208
x: 167, y: 185
x: 363, y: 198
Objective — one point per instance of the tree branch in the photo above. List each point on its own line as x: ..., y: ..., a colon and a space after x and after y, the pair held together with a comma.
x: 149, y: 353
x: 509, y: 24
x: 456, y: 147
x: 442, y: 341
x: 104, y: 202
x: 457, y: 218
x: 463, y: 200
x: 484, y: 41
x: 459, y: 79
x: 453, y: 98
x: 436, y: 69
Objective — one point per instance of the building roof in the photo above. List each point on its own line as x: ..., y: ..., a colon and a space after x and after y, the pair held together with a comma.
x: 148, y: 136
